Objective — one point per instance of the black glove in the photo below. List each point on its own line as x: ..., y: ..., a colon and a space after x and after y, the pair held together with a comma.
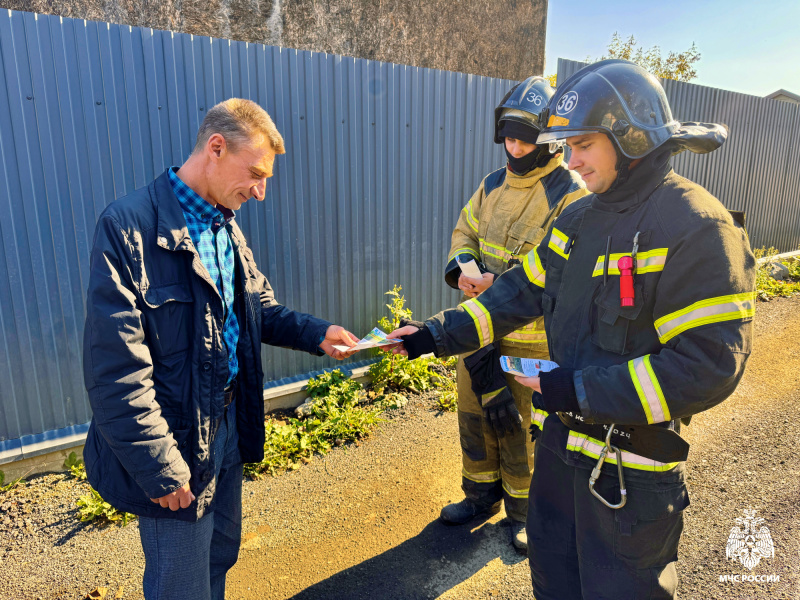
x: 558, y: 392
x: 501, y: 412
x: 490, y: 386
x: 420, y: 342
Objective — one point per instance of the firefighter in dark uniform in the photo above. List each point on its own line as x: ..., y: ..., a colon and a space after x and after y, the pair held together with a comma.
x: 647, y: 291
x: 504, y: 219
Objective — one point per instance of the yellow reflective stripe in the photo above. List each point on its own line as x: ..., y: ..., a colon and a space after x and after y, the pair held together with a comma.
x: 486, y: 397
x: 499, y: 252
x: 514, y: 493
x: 578, y: 442
x: 712, y: 310
x: 530, y: 334
x: 471, y: 220
x: 486, y: 477
x: 646, y: 262
x: 469, y: 251
x: 519, y: 337
x: 538, y: 417
x: 483, y: 321
x: 558, y: 243
x: 649, y: 390
x: 534, y: 272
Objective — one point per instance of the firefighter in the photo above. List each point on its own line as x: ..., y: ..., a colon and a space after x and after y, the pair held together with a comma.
x: 647, y: 292
x: 505, y: 218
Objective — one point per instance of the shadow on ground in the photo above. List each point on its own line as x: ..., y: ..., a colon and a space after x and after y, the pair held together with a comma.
x: 439, y: 558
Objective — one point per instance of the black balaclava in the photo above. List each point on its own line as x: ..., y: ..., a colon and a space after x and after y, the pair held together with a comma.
x: 535, y: 158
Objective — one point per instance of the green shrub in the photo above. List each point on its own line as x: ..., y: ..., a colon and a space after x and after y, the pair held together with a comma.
x: 396, y: 371
x: 767, y: 287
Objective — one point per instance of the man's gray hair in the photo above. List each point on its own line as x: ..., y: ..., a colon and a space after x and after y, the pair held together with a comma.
x: 239, y: 121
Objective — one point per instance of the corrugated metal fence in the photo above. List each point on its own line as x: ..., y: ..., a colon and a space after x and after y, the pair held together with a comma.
x: 756, y: 171
x: 380, y: 159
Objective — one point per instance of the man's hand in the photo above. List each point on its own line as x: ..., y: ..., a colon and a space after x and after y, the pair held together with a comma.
x: 337, y: 334
x: 180, y: 498
x: 472, y: 287
x: 531, y: 382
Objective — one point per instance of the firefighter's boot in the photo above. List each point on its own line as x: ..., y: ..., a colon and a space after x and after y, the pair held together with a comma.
x: 519, y: 536
x: 462, y: 512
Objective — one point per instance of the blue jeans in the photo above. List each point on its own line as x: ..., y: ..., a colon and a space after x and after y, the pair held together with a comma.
x: 191, y: 559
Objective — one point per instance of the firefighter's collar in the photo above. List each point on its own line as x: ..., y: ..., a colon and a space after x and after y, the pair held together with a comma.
x: 533, y: 176
x: 643, y: 181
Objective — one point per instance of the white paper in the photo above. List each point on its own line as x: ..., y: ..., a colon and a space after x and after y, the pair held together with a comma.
x: 470, y: 269
x: 374, y: 339
x: 526, y: 367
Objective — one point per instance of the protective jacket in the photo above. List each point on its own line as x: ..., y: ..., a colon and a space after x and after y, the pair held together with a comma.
x: 155, y: 362
x: 679, y: 350
x: 505, y: 218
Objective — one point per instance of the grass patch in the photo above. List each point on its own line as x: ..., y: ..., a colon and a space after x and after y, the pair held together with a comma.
x: 768, y: 288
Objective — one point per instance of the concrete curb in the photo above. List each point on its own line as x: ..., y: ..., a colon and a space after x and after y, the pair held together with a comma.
x: 49, y: 460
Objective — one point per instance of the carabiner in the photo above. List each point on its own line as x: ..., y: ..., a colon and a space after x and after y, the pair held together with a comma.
x: 598, y: 469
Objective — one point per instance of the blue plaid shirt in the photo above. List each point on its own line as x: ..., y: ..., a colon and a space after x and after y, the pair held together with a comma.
x: 207, y: 228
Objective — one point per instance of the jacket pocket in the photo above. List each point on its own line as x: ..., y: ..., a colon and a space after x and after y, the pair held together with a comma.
x: 167, y: 317
x: 470, y: 428
x: 611, y: 322
x: 523, y: 237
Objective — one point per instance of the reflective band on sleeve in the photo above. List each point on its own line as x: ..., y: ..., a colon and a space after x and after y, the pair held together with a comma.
x: 538, y: 417
x: 487, y: 477
x: 578, y: 442
x: 649, y: 390
x: 483, y: 321
x: 713, y: 310
x: 535, y: 271
x: 558, y: 243
x: 471, y: 220
x: 467, y: 251
x: 646, y: 262
x: 514, y: 493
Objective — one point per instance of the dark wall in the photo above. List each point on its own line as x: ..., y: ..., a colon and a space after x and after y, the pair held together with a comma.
x: 496, y: 38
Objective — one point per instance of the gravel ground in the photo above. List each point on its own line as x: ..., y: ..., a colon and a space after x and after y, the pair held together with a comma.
x: 361, y: 521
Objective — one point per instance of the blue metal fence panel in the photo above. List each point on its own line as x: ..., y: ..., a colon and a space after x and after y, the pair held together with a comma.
x: 380, y: 160
x: 757, y: 170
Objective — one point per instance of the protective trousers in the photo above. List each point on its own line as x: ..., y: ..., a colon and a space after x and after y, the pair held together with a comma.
x: 579, y: 549
x: 496, y: 468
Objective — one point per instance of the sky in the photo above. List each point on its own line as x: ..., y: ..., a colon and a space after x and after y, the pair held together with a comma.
x: 747, y: 47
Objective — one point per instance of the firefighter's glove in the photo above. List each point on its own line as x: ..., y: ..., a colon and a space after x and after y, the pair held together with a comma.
x: 501, y: 412
x: 420, y: 342
x: 489, y: 384
x: 558, y: 392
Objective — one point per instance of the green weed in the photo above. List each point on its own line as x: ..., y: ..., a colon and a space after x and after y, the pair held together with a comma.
x: 75, y: 466
x: 94, y: 508
x: 6, y: 487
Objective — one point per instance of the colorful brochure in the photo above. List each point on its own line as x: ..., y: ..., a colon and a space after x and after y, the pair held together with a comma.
x: 374, y: 339
x: 526, y: 367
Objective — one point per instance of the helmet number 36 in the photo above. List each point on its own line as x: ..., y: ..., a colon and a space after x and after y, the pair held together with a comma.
x: 534, y: 98
x: 566, y: 103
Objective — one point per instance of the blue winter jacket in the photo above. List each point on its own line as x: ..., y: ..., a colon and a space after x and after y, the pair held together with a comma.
x: 155, y: 362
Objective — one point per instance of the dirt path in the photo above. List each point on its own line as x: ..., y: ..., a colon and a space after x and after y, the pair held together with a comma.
x: 363, y: 523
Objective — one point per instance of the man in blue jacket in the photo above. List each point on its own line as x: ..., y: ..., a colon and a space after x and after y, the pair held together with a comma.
x: 176, y: 314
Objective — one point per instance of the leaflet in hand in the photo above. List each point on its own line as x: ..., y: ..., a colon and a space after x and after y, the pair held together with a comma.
x: 526, y: 367
x: 373, y: 339
x: 470, y: 269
